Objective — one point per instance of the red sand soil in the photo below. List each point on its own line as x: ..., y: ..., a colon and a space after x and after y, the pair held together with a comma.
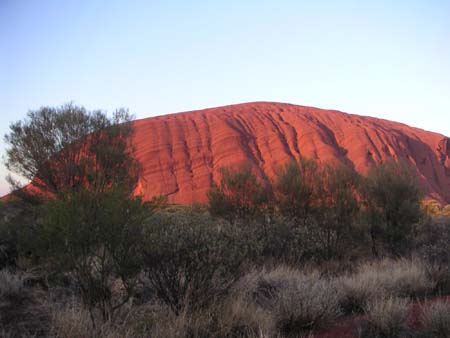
x: 182, y: 153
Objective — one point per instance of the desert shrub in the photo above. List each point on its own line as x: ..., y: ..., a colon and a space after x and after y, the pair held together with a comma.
x: 385, y: 318
x: 22, y: 312
x: 11, y: 285
x: 13, y: 215
x: 435, y: 320
x: 433, y: 241
x: 433, y: 246
x: 319, y: 202
x: 356, y: 291
x: 280, y: 241
x: 8, y: 246
x: 392, y: 203
x: 299, y: 302
x: 231, y: 318
x: 96, y: 239
x: 399, y: 278
x: 189, y: 258
x: 240, y: 195
x: 73, y: 321
x: 294, y: 188
x: 241, y: 318
x: 83, y: 173
x: 306, y: 306
x: 336, y: 208
x: 440, y: 277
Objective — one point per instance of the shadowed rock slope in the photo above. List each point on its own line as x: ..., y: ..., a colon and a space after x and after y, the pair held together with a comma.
x: 182, y: 153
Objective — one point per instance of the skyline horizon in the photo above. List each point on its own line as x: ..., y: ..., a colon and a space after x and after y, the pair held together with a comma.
x: 380, y: 59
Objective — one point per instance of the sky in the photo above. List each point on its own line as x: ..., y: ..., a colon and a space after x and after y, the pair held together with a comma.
x: 388, y: 59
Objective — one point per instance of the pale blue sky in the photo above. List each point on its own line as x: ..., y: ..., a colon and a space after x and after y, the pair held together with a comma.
x: 389, y: 59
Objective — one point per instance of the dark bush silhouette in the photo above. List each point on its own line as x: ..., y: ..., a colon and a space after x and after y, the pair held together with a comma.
x: 189, y: 259
x: 240, y: 195
x: 87, y: 223
x: 393, y: 198
x: 68, y: 148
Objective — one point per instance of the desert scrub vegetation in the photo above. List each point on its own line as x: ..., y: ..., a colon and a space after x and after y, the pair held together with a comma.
x: 435, y: 320
x: 299, y: 302
x: 251, y: 263
x: 11, y: 284
x: 22, y: 313
x: 407, y: 278
x: 188, y: 259
x: 385, y: 317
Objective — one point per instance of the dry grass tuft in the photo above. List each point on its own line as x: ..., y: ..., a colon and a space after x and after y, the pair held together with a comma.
x: 240, y: 318
x: 11, y: 285
x: 73, y: 321
x: 385, y: 318
x: 299, y: 302
x: 399, y: 278
x: 436, y: 320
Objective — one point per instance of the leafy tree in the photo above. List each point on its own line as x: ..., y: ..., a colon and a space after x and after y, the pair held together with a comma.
x: 69, y: 148
x: 393, y: 198
x: 88, y: 223
x: 240, y: 195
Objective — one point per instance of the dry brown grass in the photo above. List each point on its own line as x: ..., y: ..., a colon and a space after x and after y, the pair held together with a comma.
x: 386, y: 317
x: 399, y: 278
x: 11, y: 285
x: 233, y: 318
x: 435, y: 320
x: 73, y: 321
x: 299, y: 302
x: 22, y: 312
x: 265, y: 303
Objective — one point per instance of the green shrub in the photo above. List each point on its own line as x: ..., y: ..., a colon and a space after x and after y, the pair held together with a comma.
x: 392, y: 200
x: 433, y: 241
x: 96, y: 239
x: 240, y: 195
x: 319, y: 202
x: 189, y: 258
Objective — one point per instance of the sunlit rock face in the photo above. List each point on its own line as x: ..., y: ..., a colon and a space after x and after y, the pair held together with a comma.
x: 182, y: 153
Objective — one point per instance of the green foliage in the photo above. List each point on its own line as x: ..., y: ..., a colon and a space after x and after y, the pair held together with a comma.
x: 190, y: 258
x: 96, y: 238
x: 294, y: 189
x: 337, y: 208
x: 69, y: 148
x: 393, y: 198
x: 320, y: 202
x: 87, y: 222
x: 240, y: 195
